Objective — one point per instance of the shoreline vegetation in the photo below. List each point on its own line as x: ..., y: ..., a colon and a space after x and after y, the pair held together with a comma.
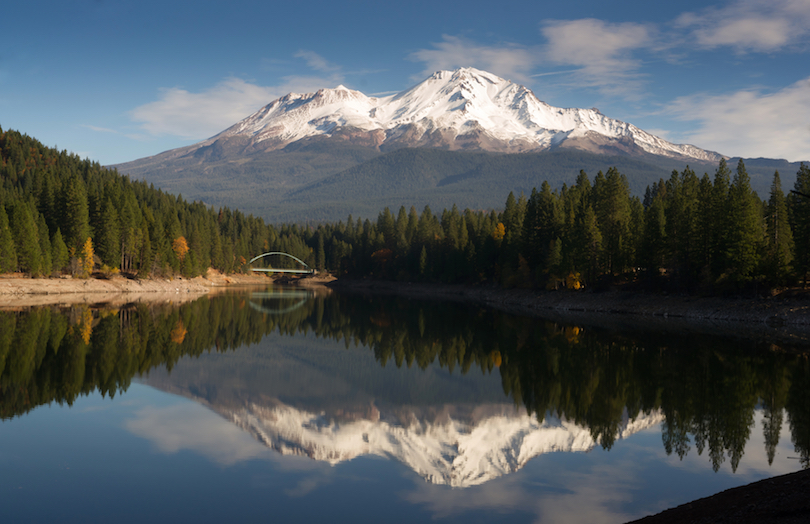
x: 782, y: 316
x: 688, y: 234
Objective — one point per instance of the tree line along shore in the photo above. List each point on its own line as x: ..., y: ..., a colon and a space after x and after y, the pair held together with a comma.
x: 705, y: 234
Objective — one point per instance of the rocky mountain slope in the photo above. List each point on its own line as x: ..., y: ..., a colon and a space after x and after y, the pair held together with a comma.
x: 461, y: 109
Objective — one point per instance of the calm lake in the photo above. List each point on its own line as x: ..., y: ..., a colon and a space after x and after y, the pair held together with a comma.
x: 285, y: 405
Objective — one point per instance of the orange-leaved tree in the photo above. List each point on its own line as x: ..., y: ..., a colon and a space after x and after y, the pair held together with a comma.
x: 180, y: 248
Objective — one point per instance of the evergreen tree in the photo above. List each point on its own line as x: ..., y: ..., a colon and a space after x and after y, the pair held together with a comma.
x: 720, y: 223
x: 612, y: 208
x: 681, y: 226
x: 8, y: 252
x: 654, y: 243
x: 26, y: 239
x: 704, y: 234
x: 59, y: 252
x: 108, y: 236
x: 800, y: 215
x: 44, y: 244
x: 636, y: 231
x: 588, y: 240
x: 542, y: 226
x: 779, y: 250
x: 75, y: 215
x: 745, y: 236
x: 387, y: 226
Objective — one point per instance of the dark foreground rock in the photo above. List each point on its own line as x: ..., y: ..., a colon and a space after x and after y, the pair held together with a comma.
x: 782, y: 500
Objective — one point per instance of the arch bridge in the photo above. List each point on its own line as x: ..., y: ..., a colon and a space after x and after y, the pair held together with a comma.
x: 307, y: 271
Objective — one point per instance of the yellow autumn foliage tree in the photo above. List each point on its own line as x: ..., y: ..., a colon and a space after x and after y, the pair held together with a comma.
x: 180, y: 248
x: 87, y: 258
x: 499, y: 232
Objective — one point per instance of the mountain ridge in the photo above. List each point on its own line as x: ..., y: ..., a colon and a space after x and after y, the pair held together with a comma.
x: 461, y: 109
x: 275, y: 162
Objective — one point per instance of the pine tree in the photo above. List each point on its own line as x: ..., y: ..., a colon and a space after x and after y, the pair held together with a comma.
x: 800, y: 215
x: 387, y: 226
x: 720, y: 224
x: 704, y: 233
x: 681, y: 225
x: 44, y: 245
x: 8, y: 252
x: 145, y: 261
x: 588, y: 240
x: 612, y: 208
x: 654, y: 244
x: 779, y: 249
x: 108, y: 236
x: 59, y: 252
x: 541, y: 227
x: 75, y: 215
x: 744, y: 238
x: 26, y: 239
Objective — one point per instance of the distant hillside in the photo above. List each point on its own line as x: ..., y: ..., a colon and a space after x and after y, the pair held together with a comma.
x: 320, y: 180
x: 254, y: 183
x: 475, y: 180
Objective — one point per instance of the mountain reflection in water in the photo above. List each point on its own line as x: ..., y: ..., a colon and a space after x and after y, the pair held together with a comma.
x: 459, y: 394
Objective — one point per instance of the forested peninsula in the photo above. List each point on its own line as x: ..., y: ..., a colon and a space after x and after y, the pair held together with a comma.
x: 63, y: 215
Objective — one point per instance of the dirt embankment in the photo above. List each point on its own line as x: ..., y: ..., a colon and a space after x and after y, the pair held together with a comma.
x: 18, y: 291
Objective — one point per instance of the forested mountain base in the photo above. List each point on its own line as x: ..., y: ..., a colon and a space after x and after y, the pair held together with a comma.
x: 59, y: 213
x: 62, y: 214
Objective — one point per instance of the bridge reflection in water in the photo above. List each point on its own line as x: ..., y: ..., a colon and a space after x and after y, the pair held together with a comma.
x: 259, y: 298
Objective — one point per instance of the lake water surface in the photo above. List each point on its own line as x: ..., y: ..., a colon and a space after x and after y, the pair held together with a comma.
x: 286, y: 406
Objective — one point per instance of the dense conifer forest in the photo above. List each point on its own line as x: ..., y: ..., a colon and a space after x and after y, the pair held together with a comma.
x: 709, y: 233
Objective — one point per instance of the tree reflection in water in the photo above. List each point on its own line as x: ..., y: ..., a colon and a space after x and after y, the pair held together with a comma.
x: 707, y: 387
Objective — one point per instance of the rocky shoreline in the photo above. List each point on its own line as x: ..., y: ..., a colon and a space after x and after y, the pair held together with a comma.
x: 18, y: 291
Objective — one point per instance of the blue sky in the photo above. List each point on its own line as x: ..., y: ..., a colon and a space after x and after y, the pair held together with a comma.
x: 120, y: 80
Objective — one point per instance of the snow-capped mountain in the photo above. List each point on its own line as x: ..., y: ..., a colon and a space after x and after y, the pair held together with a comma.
x: 443, y: 449
x: 461, y: 109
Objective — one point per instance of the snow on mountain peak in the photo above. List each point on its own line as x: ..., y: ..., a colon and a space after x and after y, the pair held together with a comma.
x: 466, y: 107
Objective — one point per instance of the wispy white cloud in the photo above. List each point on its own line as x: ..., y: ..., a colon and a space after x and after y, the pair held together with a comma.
x: 552, y: 73
x: 603, y: 51
x: 199, y: 115
x: 750, y: 122
x: 316, y: 61
x: 750, y: 25
x: 99, y: 129
x: 195, y: 116
x: 507, y: 60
